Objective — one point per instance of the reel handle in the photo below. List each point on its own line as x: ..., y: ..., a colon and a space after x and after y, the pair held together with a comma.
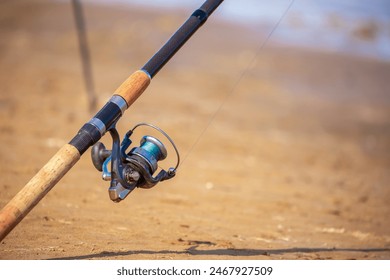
x: 99, y: 154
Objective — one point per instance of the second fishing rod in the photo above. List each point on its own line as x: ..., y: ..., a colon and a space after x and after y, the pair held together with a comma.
x: 128, y: 169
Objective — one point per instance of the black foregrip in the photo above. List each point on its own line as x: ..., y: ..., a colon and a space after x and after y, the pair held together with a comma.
x: 92, y: 131
x: 85, y: 138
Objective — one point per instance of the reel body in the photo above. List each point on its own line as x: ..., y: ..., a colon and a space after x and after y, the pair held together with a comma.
x: 133, y: 169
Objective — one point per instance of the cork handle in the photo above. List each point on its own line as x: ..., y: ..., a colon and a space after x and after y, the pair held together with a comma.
x: 133, y: 86
x: 37, y: 188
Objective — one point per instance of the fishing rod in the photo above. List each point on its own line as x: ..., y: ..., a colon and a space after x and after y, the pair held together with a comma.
x: 128, y: 169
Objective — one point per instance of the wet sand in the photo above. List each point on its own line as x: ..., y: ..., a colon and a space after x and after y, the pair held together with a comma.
x: 288, y: 159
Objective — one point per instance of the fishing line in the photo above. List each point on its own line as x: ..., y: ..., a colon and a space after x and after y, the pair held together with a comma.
x: 238, y: 81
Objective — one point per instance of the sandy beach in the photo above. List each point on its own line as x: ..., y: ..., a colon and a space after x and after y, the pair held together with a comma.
x: 285, y: 151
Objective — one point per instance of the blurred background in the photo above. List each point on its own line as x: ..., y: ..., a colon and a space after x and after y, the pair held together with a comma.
x: 342, y: 26
x: 284, y: 133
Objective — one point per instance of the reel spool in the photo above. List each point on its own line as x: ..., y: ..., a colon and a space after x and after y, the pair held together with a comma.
x: 133, y: 169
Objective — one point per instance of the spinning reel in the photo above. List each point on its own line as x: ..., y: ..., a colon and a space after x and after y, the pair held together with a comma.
x: 133, y: 169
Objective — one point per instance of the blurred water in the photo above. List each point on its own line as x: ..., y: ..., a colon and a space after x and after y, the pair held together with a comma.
x: 361, y: 27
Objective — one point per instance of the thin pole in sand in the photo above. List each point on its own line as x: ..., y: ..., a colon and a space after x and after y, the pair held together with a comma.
x: 84, y: 54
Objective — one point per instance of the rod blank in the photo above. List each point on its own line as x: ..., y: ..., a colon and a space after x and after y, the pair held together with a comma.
x: 180, y: 37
